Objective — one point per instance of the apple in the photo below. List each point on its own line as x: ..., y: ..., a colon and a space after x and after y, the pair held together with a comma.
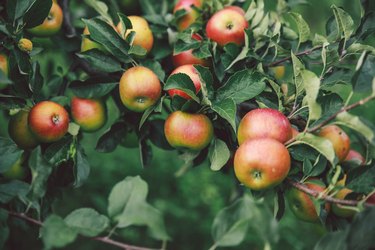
x: 187, y: 57
x: 188, y: 131
x: 236, y: 8
x: 261, y: 163
x: 338, y: 209
x: 227, y: 26
x: 189, y: 70
x: 143, y: 34
x: 25, y: 45
x: 89, y: 114
x: 52, y: 23
x: 278, y: 71
x: 20, y: 132
x: 355, y: 157
x: 191, y: 14
x: 4, y: 67
x: 301, y: 203
x: 295, y: 132
x: 88, y: 44
x: 139, y: 88
x: 371, y: 199
x: 264, y: 123
x: 17, y: 171
x: 49, y: 121
x: 339, y: 139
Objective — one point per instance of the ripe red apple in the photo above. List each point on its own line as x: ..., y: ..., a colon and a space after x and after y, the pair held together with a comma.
x: 355, y: 156
x: 4, y: 67
x: 188, y: 131
x: 20, y: 132
x: 301, y: 203
x: 339, y: 139
x: 261, y: 163
x: 236, y: 8
x: 191, y: 14
x: 49, y: 121
x: 227, y: 26
x: 139, y: 88
x: 194, y: 76
x: 187, y: 56
x: 264, y: 123
x: 89, y: 114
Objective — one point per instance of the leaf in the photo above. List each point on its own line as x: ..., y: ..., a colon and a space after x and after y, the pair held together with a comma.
x: 111, y: 138
x: 11, y: 102
x: 297, y: 69
x: 359, y: 48
x: 361, y: 231
x: 322, y: 145
x: 13, y: 189
x: 311, y: 84
x: 207, y: 82
x: 82, y: 167
x: 127, y: 206
x: 242, y: 55
x: 219, y: 154
x: 56, y: 233
x: 145, y: 152
x: 87, y: 222
x: 91, y: 88
x: 182, y: 82
x: 59, y: 151
x: 332, y: 241
x: 227, y: 109
x: 344, y: 23
x: 361, y: 180
x: 36, y: 81
x: 156, y: 67
x: 4, y: 230
x: 100, y: 7
x: 302, y: 26
x: 307, y: 167
x: 241, y: 86
x: 37, y: 13
x: 101, y: 61
x: 9, y: 152
x: 17, y: 8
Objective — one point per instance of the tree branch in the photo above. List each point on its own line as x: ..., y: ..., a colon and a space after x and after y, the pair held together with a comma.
x: 105, y: 240
x: 302, y: 53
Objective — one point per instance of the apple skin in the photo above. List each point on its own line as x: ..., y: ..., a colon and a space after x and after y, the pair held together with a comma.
x: 48, y: 121
x: 17, y: 171
x: 89, y: 114
x: 227, y: 26
x: 264, y: 123
x: 261, y: 163
x: 88, y: 44
x: 236, y: 8
x: 355, y: 156
x: 278, y: 71
x: 25, y: 45
x: 187, y: 56
x: 339, y: 139
x: 301, y: 203
x: 371, y: 199
x: 143, y: 36
x: 4, y: 67
x: 139, y: 88
x: 339, y: 211
x: 295, y: 132
x: 189, y: 70
x: 51, y: 25
x: 20, y: 132
x: 188, y: 131
x: 191, y: 15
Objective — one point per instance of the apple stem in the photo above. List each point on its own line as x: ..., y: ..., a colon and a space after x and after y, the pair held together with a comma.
x: 105, y: 240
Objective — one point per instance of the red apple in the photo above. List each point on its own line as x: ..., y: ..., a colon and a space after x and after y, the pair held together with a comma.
x: 191, y: 15
x: 227, y: 26
x: 261, y: 163
x: 187, y: 56
x: 339, y: 139
x: 264, y: 123
x: 194, y: 76
x: 237, y: 9
x: 20, y: 132
x: 294, y: 132
x: 355, y: 156
x: 188, y: 131
x: 49, y: 121
x: 89, y: 114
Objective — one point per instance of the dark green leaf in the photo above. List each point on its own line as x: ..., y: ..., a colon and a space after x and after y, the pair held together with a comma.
x: 37, y: 13
x: 82, y: 167
x: 156, y: 67
x: 91, y: 88
x: 111, y: 138
x: 332, y: 241
x: 182, y: 82
x: 101, y: 61
x: 11, y: 102
x: 227, y: 110
x: 9, y: 153
x: 361, y: 180
x: 58, y: 151
x: 13, y: 189
x: 17, y: 8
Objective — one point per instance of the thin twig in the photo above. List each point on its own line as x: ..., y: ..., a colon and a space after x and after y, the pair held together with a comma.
x: 302, y: 53
x: 105, y: 240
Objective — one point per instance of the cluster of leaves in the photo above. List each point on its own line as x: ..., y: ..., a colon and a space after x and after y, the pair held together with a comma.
x: 239, y: 80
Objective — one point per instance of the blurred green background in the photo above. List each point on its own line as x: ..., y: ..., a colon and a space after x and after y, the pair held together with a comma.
x: 189, y: 203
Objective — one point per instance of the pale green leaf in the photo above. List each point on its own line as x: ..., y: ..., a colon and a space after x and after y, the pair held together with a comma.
x: 219, y: 154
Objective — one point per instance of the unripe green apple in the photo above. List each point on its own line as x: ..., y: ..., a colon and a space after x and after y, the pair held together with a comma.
x: 227, y: 26
x: 139, y: 88
x: 194, y: 76
x: 301, y: 203
x: 143, y: 34
x: 17, y: 171
x: 339, y: 139
x: 20, y: 132
x: 4, y: 67
x: 52, y: 23
x: 89, y: 114
x: 261, y: 163
x: 188, y: 131
x: 49, y: 121
x: 355, y: 156
x: 264, y: 123
x: 191, y: 14
x: 187, y: 57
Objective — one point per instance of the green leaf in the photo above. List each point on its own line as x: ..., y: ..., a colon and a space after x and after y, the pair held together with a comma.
x: 344, y: 22
x: 37, y: 13
x: 355, y: 123
x: 9, y: 152
x: 101, y: 61
x: 227, y: 109
x: 311, y: 84
x: 4, y: 230
x: 332, y: 241
x: 59, y: 151
x: 127, y: 206
x: 182, y: 82
x: 241, y: 86
x: 92, y: 89
x: 87, y: 222
x: 322, y: 145
x: 242, y: 55
x: 156, y: 67
x: 82, y: 167
x: 17, y: 8
x: 156, y: 108
x: 56, y: 233
x: 219, y: 154
x: 362, y: 229
x: 356, y: 48
x: 302, y: 26
x: 100, y: 7
x: 11, y: 102
x: 307, y: 167
x: 111, y: 138
x: 297, y: 69
x: 207, y: 82
x: 361, y: 180
x: 13, y: 189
